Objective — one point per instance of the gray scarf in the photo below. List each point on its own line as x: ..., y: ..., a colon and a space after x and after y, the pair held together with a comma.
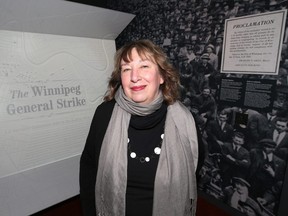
x: 175, y: 190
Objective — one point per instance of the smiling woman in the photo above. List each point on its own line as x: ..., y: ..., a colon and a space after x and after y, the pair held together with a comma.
x: 141, y: 159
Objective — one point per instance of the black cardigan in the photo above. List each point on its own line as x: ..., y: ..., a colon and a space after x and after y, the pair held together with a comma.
x: 90, y: 156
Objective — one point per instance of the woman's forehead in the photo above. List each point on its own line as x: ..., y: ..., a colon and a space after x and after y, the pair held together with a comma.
x: 127, y: 56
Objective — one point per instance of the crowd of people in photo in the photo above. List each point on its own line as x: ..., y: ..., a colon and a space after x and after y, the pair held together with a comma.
x: 245, y: 160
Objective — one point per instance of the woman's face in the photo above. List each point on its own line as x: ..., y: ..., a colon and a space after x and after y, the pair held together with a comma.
x: 140, y: 79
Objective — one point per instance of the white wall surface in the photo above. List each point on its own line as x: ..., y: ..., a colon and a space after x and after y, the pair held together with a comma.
x: 49, y: 45
x: 50, y: 86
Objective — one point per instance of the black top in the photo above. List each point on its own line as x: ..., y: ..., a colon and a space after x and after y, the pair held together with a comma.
x: 90, y: 156
x: 144, y: 134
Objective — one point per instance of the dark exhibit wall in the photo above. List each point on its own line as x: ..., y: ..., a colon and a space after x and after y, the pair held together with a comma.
x: 250, y: 177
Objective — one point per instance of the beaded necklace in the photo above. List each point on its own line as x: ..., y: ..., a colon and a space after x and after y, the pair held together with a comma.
x: 156, y: 152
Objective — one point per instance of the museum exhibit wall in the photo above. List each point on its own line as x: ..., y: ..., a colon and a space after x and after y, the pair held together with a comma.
x: 187, y: 29
x: 56, y: 57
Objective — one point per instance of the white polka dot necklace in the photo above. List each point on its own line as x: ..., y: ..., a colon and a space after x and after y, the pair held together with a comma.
x: 146, y: 159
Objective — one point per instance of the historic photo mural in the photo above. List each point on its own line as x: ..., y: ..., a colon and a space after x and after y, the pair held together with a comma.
x: 242, y: 111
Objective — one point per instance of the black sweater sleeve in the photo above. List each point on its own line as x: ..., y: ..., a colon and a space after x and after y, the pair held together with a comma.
x: 90, y: 156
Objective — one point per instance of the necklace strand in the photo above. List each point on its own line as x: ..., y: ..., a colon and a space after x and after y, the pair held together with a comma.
x: 143, y: 159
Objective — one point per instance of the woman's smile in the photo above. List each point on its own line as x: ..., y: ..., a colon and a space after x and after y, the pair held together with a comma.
x: 138, y: 88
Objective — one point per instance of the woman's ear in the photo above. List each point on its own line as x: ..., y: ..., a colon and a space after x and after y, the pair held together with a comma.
x: 161, y: 80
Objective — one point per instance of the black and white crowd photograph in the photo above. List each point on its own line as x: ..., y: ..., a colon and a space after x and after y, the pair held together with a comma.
x: 245, y: 149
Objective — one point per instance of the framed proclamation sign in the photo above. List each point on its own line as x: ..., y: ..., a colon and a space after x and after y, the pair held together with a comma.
x: 252, y: 44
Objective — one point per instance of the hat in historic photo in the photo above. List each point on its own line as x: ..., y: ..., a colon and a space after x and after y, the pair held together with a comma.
x: 205, y: 56
x: 266, y: 142
x: 241, y: 181
x: 183, y: 58
x: 276, y: 105
x: 210, y: 46
x: 198, y: 53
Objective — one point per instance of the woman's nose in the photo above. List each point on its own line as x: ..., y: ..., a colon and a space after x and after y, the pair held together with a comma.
x: 135, y: 75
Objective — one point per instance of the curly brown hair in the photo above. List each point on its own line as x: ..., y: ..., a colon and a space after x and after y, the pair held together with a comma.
x: 146, y: 49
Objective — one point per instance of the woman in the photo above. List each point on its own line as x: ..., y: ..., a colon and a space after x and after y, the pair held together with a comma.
x: 141, y: 153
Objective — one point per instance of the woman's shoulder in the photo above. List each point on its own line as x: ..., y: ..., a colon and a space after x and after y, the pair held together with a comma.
x: 180, y: 112
x: 105, y: 106
x: 104, y: 110
x: 178, y: 106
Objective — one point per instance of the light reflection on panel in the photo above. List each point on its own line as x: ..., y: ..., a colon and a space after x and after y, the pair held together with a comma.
x: 49, y: 88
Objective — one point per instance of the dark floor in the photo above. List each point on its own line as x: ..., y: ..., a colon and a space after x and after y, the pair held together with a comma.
x: 205, y: 208
x: 72, y: 207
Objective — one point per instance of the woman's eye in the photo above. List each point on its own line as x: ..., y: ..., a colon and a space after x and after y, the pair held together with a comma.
x: 144, y: 66
x: 125, y: 69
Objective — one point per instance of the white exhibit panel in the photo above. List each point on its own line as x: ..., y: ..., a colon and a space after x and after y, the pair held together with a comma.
x: 50, y: 86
